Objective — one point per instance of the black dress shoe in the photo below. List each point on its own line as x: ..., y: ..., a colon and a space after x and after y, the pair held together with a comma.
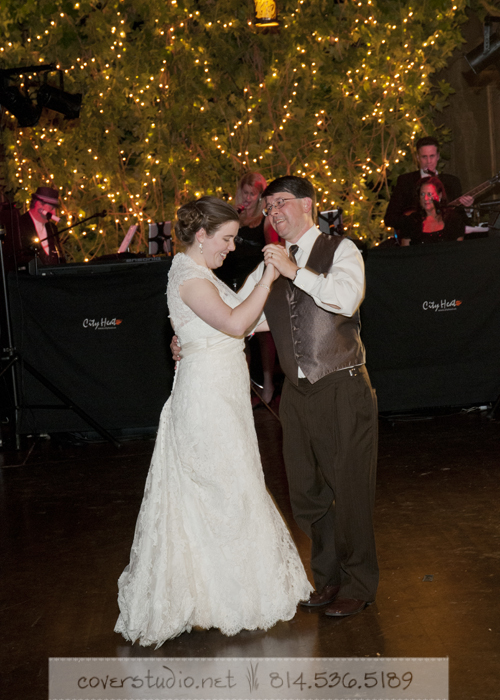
x: 345, y: 606
x: 323, y: 597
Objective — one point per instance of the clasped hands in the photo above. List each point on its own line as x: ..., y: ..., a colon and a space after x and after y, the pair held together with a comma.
x: 277, y: 256
x: 276, y: 259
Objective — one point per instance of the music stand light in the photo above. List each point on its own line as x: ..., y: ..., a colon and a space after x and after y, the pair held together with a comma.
x: 331, y: 221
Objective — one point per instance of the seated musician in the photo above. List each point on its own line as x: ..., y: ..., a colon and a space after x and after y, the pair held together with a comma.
x: 37, y: 232
x: 402, y: 198
x: 432, y: 221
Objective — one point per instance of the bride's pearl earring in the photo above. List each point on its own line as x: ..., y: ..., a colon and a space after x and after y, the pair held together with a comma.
x: 201, y: 248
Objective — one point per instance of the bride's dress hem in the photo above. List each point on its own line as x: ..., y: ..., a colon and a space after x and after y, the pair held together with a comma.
x: 138, y: 638
x: 210, y: 548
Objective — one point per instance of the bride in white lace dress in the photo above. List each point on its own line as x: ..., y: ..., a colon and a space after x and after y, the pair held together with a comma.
x: 210, y: 548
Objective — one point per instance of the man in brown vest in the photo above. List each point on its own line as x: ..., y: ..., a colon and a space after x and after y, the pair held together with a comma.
x: 328, y: 408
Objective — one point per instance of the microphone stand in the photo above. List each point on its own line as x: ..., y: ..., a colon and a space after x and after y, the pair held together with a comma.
x: 13, y: 357
x: 82, y: 221
x: 9, y: 350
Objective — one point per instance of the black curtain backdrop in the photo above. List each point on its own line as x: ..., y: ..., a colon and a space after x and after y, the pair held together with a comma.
x: 431, y: 324
x: 102, y: 339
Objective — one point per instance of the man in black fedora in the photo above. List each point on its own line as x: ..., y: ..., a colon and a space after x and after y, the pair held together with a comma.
x: 37, y: 231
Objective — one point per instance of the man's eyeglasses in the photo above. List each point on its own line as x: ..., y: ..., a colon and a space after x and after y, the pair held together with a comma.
x: 278, y: 204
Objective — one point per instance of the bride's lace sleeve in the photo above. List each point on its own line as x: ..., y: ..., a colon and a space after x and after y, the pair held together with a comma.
x: 183, y: 269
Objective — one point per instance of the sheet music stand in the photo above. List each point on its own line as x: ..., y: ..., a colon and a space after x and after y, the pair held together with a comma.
x: 160, y: 238
x: 494, y: 222
x: 128, y: 239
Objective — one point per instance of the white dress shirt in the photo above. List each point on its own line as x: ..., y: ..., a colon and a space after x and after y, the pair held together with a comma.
x: 41, y: 232
x: 343, y: 286
x: 424, y: 173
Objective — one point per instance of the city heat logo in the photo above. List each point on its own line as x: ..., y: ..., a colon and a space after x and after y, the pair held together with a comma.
x: 442, y: 305
x: 102, y: 324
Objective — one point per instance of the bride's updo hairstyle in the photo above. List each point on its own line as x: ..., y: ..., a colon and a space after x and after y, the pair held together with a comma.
x: 208, y: 213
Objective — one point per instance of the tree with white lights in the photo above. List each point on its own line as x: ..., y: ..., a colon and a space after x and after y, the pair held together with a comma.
x: 181, y: 97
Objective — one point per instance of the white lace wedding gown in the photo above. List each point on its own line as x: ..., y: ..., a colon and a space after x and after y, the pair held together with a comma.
x: 210, y: 548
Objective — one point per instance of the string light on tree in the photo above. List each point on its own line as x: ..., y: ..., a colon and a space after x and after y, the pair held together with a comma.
x: 142, y: 75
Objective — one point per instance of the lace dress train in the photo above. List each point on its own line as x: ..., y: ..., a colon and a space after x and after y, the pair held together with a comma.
x: 210, y: 548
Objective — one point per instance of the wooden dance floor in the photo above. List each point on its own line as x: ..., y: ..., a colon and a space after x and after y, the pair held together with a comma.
x: 68, y: 515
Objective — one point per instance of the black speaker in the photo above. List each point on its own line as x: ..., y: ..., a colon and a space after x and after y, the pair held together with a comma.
x: 103, y: 340
x: 494, y: 223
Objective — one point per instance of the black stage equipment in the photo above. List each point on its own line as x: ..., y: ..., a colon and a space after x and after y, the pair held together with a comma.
x: 19, y: 103
x: 58, y: 100
x: 483, y: 56
x: 160, y: 238
x: 105, y: 335
x: 12, y: 357
x: 494, y: 223
x: 107, y: 263
x: 331, y: 221
x: 494, y: 215
x: 431, y: 324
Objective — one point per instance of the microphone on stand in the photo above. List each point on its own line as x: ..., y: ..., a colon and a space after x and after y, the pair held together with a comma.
x: 100, y: 214
x: 52, y: 217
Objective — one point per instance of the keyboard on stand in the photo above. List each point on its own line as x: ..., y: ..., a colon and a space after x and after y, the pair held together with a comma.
x: 91, y: 268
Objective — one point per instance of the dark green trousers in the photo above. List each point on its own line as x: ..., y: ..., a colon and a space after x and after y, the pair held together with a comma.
x: 330, y: 440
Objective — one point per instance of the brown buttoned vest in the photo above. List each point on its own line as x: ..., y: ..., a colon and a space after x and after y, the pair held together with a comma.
x: 318, y: 341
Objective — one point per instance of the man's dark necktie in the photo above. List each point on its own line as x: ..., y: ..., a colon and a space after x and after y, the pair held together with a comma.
x: 291, y: 254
